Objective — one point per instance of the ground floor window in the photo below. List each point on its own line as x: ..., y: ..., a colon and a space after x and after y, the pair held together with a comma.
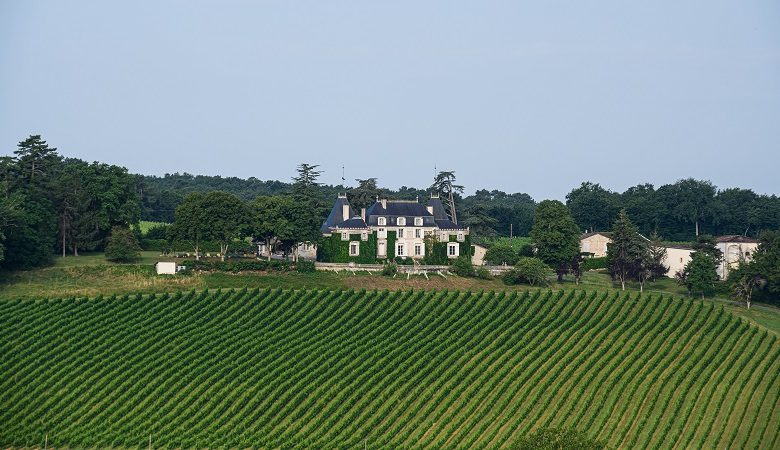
x: 400, y: 250
x: 452, y: 249
x: 417, y: 249
x: 354, y: 249
x: 381, y: 251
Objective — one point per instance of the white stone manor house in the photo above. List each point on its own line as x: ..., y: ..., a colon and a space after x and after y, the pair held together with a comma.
x: 389, y: 229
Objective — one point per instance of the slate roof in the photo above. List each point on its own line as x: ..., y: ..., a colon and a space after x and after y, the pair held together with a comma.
x: 603, y: 233
x: 336, y: 215
x: 354, y: 223
x: 393, y: 210
x: 736, y: 238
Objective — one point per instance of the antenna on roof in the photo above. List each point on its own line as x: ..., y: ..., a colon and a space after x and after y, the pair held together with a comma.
x: 342, y: 173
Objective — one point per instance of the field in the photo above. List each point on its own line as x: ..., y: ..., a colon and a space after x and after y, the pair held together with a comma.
x: 383, y: 369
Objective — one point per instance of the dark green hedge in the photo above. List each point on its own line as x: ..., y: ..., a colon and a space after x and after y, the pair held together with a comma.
x: 240, y: 265
x: 594, y: 263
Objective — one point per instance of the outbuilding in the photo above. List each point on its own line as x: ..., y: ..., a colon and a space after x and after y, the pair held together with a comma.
x: 166, y: 268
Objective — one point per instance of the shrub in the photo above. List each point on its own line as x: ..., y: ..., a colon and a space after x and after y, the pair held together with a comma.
x: 462, y: 267
x: 390, y: 269
x: 234, y: 266
x: 484, y: 274
x: 594, y: 263
x: 528, y: 270
x: 532, y: 270
x: 501, y: 254
x: 511, y: 277
x: 527, y: 250
x: 122, y: 246
x: 403, y: 261
x: 303, y: 266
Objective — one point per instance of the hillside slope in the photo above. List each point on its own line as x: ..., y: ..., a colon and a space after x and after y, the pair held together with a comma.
x: 272, y: 368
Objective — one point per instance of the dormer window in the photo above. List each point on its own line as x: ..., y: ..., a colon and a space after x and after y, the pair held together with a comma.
x: 382, y: 221
x: 418, y: 221
x: 402, y: 221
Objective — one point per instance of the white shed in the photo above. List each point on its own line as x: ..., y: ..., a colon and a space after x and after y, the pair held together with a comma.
x: 165, y: 268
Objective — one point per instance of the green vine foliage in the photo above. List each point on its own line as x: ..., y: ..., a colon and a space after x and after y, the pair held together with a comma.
x: 333, y: 249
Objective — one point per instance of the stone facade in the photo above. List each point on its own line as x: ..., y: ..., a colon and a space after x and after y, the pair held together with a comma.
x: 399, y: 228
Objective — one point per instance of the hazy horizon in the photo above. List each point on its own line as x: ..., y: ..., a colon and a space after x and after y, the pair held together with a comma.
x: 522, y: 98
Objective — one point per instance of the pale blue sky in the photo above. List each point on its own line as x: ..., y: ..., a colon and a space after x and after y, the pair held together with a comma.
x: 521, y: 96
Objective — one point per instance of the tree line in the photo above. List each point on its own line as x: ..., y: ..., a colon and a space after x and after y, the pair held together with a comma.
x: 50, y: 204
x: 679, y: 211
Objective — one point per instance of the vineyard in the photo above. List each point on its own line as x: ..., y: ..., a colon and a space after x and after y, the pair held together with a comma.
x: 382, y: 369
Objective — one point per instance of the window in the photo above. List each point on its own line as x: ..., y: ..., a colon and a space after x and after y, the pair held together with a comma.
x: 382, y: 233
x: 364, y: 236
x: 417, y: 233
x: 400, y: 250
x: 382, y: 221
x: 401, y: 221
x: 452, y: 250
x: 381, y: 251
x: 400, y: 232
x: 344, y: 236
x: 460, y: 237
x: 418, y: 221
x: 354, y: 248
x: 444, y: 237
x: 417, y: 249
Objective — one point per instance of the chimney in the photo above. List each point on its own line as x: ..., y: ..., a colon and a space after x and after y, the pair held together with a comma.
x: 363, y: 214
x: 345, y: 211
x: 384, y: 203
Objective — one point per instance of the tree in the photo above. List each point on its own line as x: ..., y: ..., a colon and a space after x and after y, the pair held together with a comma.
x: 191, y: 222
x: 555, y: 235
x: 744, y: 279
x: 592, y: 206
x: 227, y: 218
x: 628, y: 251
x: 364, y: 195
x: 700, y: 274
x: 654, y: 265
x: 479, y: 221
x: 694, y: 201
x: 444, y: 185
x: 705, y: 243
x: 122, y: 246
x: 305, y: 183
x: 502, y: 254
x: 765, y: 264
x: 36, y: 159
x: 269, y: 220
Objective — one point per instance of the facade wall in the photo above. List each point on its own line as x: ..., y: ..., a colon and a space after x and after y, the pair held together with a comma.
x: 478, y: 255
x: 676, y: 259
x: 596, y: 244
x: 733, y: 254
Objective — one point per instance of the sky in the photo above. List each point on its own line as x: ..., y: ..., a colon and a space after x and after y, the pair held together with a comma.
x: 531, y: 97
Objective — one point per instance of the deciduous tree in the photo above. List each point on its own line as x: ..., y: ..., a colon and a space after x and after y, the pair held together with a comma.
x: 555, y: 235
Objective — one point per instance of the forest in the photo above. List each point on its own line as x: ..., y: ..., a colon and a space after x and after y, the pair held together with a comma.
x: 51, y: 204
